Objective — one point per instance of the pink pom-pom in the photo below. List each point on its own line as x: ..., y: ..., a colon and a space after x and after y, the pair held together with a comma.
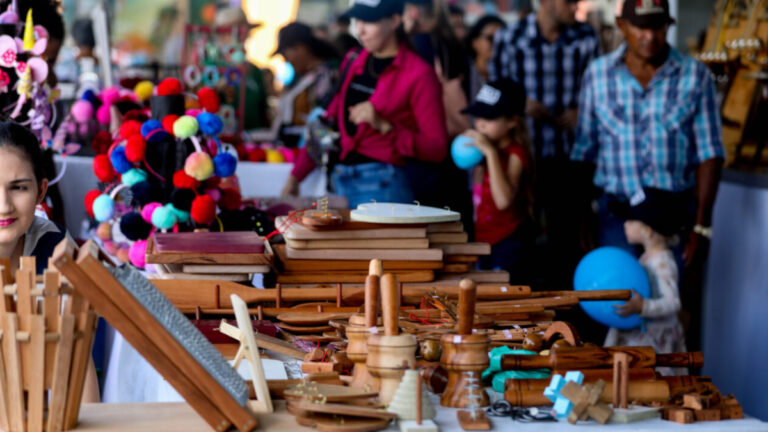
x: 199, y: 166
x: 82, y: 111
x: 110, y: 247
x: 110, y: 95
x: 214, y: 193
x: 287, y: 154
x: 148, y: 210
x: 103, y: 115
x: 193, y: 112
x: 138, y: 254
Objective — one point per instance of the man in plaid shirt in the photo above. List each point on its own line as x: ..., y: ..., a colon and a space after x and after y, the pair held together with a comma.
x: 650, y: 122
x: 547, y: 53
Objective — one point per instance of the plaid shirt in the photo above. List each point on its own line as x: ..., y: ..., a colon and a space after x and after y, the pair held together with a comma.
x: 550, y: 72
x: 653, y: 137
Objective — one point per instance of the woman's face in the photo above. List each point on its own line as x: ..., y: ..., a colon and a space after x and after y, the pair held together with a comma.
x: 19, y: 194
x: 377, y: 36
x: 483, y: 44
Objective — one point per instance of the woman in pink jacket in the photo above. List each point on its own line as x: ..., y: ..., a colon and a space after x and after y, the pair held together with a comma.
x: 389, y: 109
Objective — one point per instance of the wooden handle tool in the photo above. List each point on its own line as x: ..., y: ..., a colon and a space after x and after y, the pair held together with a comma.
x: 390, y: 308
x: 371, y: 300
x: 467, y: 298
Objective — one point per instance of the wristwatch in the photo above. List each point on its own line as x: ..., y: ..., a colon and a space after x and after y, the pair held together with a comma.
x: 703, y: 231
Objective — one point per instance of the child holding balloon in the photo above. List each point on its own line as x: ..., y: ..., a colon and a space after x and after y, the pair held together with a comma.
x: 502, y: 191
x: 652, y: 228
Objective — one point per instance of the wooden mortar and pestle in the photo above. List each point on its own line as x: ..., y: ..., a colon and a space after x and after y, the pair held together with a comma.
x: 465, y: 353
x: 361, y: 327
x: 391, y: 353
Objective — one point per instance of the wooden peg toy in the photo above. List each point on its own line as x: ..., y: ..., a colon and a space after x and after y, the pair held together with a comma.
x: 623, y: 412
x: 388, y: 352
x: 322, y: 217
x: 464, y: 352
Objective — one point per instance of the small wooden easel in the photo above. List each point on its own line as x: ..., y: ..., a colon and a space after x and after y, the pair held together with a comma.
x: 248, y: 350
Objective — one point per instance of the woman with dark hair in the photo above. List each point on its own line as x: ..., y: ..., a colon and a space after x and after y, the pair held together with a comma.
x: 479, y: 43
x: 315, y: 62
x: 388, y: 110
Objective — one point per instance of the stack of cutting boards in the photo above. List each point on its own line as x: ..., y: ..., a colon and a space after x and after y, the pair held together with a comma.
x: 416, y: 253
x: 222, y: 256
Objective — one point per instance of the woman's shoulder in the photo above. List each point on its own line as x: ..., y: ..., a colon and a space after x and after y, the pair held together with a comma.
x: 41, y: 239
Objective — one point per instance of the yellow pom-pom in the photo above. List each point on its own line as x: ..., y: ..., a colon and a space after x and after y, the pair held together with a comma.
x: 275, y: 156
x: 143, y: 90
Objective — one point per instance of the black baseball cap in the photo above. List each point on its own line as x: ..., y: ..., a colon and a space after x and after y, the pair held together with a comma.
x: 300, y: 33
x: 647, y: 13
x: 664, y: 211
x: 375, y: 10
x: 502, y: 98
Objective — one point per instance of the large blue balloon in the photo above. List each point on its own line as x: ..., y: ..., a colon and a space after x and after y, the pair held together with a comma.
x: 465, y: 156
x: 611, y: 268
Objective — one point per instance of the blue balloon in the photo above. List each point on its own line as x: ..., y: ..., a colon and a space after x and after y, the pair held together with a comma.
x: 610, y: 268
x: 465, y: 156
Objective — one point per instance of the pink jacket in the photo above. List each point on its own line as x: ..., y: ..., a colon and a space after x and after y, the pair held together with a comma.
x: 408, y: 95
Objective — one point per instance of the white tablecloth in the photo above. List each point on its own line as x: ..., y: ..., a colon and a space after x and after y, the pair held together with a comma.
x: 257, y: 180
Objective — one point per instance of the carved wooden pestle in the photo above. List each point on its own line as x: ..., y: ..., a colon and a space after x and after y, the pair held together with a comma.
x: 389, y: 353
x: 464, y: 353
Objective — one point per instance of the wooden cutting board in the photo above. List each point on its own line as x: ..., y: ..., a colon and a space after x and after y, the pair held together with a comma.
x: 349, y: 277
x: 225, y: 269
x: 315, y: 266
x: 208, y: 258
x: 465, y: 249
x: 210, y: 243
x: 330, y: 423
x: 305, y: 329
x: 448, y: 238
x: 445, y: 227
x: 403, y: 243
x: 465, y: 259
x: 189, y: 276
x: 298, y: 231
x: 480, y: 276
x: 311, y: 318
x: 367, y: 254
x: 329, y: 392
x: 342, y: 409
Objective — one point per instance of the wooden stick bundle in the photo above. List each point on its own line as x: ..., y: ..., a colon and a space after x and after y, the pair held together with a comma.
x: 46, y: 336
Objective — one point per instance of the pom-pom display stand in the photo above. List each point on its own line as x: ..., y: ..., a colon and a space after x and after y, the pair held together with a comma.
x: 46, y: 346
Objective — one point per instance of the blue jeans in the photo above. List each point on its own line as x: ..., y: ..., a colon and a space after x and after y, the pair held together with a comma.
x: 372, y: 181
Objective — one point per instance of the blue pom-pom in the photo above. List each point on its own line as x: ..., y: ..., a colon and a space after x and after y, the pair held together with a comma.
x: 92, y: 97
x: 224, y: 165
x: 103, y: 208
x: 134, y: 176
x: 150, y: 126
x: 163, y: 218
x: 181, y: 215
x: 120, y: 162
x: 210, y: 124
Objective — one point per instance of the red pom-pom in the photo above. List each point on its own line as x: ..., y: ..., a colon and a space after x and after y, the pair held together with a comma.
x: 130, y: 128
x: 230, y: 199
x: 101, y: 142
x: 102, y: 167
x: 90, y: 197
x: 212, y: 183
x: 209, y: 99
x: 203, y: 210
x: 169, y: 86
x: 257, y: 155
x: 135, y: 148
x: 168, y: 122
x: 182, y: 180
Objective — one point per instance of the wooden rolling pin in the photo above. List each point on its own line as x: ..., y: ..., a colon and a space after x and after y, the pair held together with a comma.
x: 590, y: 376
x: 590, y: 358
x: 390, y: 306
x: 208, y: 294
x: 643, y: 391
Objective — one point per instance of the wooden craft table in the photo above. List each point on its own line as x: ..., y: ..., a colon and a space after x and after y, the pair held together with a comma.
x: 179, y: 417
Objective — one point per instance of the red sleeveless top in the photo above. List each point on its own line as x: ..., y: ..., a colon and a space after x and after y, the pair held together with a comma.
x: 491, y: 224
